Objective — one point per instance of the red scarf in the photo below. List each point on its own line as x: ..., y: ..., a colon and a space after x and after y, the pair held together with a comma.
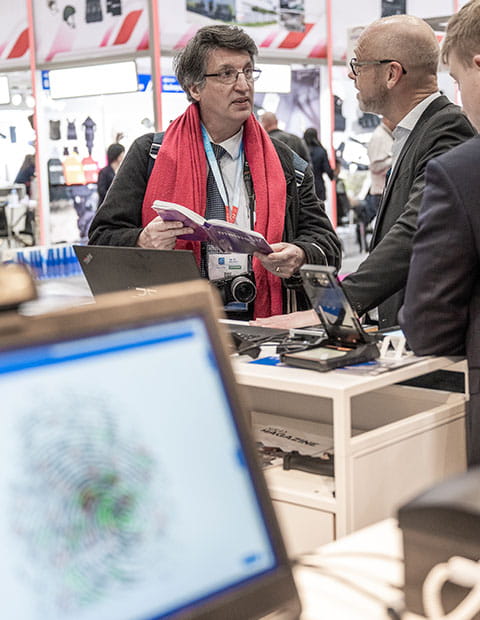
x: 180, y: 175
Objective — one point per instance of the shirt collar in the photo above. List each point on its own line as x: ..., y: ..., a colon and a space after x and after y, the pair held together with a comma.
x: 409, y: 121
x: 233, y: 145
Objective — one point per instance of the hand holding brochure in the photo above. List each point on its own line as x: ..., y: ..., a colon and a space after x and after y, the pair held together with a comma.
x: 224, y: 235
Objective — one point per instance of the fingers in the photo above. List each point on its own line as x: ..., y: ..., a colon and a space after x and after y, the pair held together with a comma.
x: 284, y: 261
x: 162, y: 235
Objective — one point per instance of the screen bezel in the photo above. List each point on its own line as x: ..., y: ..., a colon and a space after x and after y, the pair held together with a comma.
x: 260, y: 595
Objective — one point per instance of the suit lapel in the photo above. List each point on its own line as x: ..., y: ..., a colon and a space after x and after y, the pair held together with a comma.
x: 436, y: 105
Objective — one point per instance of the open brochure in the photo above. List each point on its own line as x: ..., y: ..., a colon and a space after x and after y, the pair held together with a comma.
x: 225, y: 236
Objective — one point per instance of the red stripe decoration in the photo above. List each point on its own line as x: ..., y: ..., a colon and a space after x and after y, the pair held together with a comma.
x: 21, y: 45
x: 269, y: 39
x: 145, y: 42
x: 319, y: 51
x: 127, y: 27
x: 185, y: 38
x: 293, y: 39
x: 106, y: 36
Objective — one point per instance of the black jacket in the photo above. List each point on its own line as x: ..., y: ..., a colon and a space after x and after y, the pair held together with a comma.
x: 119, y: 220
x: 441, y: 315
x: 380, y: 280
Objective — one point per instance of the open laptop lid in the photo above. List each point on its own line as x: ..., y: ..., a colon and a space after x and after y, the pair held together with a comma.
x: 108, y: 269
x: 330, y: 302
x: 129, y: 482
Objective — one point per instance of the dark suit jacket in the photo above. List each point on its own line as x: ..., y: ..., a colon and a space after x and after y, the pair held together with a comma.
x: 381, y: 278
x: 441, y: 314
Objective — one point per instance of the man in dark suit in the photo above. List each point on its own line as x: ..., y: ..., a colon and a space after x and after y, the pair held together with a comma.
x: 441, y: 314
x: 395, y: 73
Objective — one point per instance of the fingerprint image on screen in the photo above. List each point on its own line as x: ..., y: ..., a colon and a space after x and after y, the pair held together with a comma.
x: 85, y: 504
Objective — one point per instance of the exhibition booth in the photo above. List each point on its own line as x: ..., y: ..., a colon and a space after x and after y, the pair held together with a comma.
x: 292, y: 467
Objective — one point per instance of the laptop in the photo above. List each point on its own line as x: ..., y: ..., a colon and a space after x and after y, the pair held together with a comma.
x: 108, y: 269
x: 130, y: 487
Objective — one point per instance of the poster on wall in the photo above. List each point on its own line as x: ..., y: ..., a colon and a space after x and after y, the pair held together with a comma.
x: 393, y: 7
x: 298, y: 109
x: 259, y: 13
x: 14, y: 52
x: 82, y: 29
x: 301, y: 34
x: 292, y: 14
x: 218, y: 10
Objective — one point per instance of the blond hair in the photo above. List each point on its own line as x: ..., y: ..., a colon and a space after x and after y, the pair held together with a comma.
x: 463, y: 34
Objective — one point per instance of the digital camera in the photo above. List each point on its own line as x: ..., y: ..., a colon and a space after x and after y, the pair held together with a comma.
x: 239, y: 288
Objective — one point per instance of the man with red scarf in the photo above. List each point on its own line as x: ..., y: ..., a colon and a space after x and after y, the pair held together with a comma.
x: 263, y: 184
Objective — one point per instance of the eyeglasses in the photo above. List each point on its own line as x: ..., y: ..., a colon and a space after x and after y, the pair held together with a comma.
x: 355, y: 64
x: 230, y: 76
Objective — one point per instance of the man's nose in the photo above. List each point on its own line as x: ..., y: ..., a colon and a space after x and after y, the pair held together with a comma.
x: 241, y: 81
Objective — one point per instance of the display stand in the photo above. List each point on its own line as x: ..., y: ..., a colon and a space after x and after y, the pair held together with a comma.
x: 390, y: 442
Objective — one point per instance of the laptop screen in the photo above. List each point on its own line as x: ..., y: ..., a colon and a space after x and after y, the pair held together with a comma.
x: 124, y: 490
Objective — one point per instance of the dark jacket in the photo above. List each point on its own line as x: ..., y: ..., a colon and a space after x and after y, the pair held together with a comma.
x: 380, y: 280
x: 294, y: 142
x: 105, y: 179
x: 320, y: 166
x: 119, y: 220
x: 441, y: 315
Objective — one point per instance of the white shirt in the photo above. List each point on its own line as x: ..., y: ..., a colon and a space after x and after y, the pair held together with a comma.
x: 379, y: 152
x: 228, y: 168
x: 406, y: 126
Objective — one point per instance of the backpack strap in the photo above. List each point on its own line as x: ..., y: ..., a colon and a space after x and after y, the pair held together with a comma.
x: 156, y: 144
x: 300, y: 165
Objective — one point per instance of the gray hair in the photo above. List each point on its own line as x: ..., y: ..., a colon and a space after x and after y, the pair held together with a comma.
x: 191, y: 63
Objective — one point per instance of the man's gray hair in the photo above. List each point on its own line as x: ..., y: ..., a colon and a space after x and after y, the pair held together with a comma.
x: 191, y: 63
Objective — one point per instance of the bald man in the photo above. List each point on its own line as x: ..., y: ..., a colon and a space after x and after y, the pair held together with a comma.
x: 269, y: 122
x: 395, y: 73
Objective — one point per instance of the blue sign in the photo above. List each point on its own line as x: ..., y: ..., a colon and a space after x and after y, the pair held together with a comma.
x: 45, y: 80
x: 144, y: 80
x: 170, y: 84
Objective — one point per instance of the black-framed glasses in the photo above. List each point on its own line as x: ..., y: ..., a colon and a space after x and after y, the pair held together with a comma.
x: 230, y: 75
x: 356, y: 64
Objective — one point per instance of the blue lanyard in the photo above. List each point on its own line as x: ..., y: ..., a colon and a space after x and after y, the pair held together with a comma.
x: 231, y: 209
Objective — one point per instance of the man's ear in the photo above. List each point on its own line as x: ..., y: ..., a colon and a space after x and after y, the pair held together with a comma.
x: 394, y: 74
x: 476, y: 61
x: 194, y: 92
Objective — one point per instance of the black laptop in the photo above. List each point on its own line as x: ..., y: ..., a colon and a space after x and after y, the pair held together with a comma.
x: 108, y: 269
x: 129, y: 485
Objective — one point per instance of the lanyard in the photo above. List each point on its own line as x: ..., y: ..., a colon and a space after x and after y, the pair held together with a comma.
x: 231, y: 210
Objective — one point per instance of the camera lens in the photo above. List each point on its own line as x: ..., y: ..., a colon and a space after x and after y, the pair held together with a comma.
x: 243, y: 290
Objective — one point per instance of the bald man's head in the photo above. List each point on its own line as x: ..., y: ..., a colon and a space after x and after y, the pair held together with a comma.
x: 405, y: 38
x: 269, y: 121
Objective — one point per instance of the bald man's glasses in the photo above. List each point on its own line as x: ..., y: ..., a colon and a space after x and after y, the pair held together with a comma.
x: 356, y: 64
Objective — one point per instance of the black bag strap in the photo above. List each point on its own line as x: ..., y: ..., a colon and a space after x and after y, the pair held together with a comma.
x: 156, y: 144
